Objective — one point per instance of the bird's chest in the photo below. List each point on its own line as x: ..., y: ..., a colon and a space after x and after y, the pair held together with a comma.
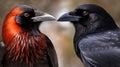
x: 27, y: 48
x: 10, y: 63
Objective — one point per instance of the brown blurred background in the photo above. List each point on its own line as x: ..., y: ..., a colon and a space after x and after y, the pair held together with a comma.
x: 61, y: 34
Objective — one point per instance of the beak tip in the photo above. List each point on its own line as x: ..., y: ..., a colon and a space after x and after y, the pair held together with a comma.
x: 50, y: 18
x: 61, y: 19
x: 68, y: 17
x: 45, y: 17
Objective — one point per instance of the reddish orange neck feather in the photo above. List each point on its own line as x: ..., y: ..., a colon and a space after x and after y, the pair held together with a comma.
x: 10, y: 27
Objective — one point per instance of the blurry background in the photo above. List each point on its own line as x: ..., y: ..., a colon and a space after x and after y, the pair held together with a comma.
x: 61, y: 34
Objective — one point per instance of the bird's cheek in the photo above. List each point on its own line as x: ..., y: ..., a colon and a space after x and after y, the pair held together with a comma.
x: 94, y: 17
x: 19, y: 20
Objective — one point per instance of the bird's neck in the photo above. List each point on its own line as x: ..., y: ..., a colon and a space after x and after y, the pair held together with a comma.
x: 9, y: 29
x: 79, y: 32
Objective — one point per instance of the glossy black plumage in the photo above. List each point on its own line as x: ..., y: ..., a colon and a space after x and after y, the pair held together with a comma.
x: 97, y: 37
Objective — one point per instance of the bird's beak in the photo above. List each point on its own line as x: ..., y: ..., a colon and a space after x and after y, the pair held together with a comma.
x: 68, y: 17
x: 40, y: 16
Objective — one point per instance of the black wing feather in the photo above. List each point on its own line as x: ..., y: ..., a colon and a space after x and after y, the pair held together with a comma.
x: 52, y: 53
x: 2, y: 52
x: 101, y: 50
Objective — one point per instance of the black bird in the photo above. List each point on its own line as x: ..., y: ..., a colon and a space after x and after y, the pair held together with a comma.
x: 97, y: 37
x: 23, y: 44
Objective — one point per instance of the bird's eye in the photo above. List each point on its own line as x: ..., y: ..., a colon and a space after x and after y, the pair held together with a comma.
x: 85, y: 13
x: 26, y: 14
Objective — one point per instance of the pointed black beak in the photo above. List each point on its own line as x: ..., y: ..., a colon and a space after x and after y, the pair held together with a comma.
x: 68, y: 17
x: 42, y: 16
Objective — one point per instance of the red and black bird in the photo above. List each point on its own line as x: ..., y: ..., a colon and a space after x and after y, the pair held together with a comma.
x: 23, y: 45
x: 97, y: 37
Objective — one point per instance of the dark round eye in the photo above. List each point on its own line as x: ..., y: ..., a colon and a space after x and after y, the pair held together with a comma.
x: 26, y: 14
x: 85, y: 13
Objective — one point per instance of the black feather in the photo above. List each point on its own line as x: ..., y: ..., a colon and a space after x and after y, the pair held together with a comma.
x: 97, y: 37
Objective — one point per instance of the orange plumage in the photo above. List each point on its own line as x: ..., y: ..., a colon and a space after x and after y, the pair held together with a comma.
x: 10, y: 28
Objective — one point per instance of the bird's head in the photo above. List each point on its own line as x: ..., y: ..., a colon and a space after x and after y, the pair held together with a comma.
x: 23, y: 18
x: 26, y: 16
x: 91, y: 17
